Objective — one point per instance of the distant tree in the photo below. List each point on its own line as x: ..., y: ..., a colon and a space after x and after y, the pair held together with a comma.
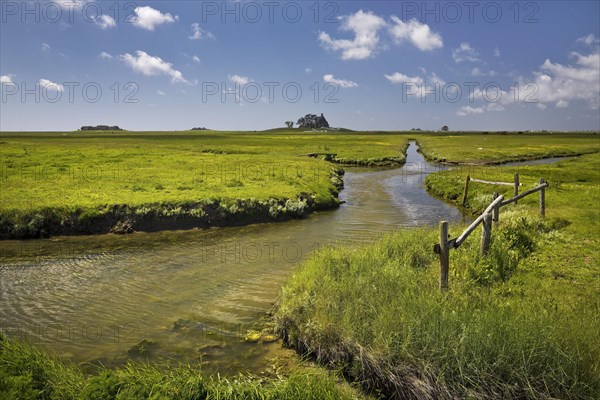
x: 290, y: 124
x: 445, y: 128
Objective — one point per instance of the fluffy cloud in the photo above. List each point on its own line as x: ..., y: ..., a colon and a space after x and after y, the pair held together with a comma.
x: 589, y: 40
x: 196, y: 59
x: 553, y: 84
x: 7, y: 79
x: 468, y: 110
x: 240, y: 80
x: 415, y: 32
x: 465, y: 52
x: 148, y: 65
x: 421, y: 87
x: 329, y: 78
x: 397, y: 78
x: 105, y: 21
x: 149, y: 18
x: 365, y: 26
x: 104, y: 55
x: 199, y: 33
x: 560, y: 84
x: 49, y: 85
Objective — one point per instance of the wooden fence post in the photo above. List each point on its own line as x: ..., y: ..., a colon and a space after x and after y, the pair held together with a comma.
x: 516, y: 191
x: 444, y: 255
x: 496, y: 210
x: 466, y: 192
x: 486, y: 234
x: 542, y: 199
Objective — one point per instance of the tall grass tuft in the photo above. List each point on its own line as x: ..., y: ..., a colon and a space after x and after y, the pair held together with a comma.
x: 28, y: 373
x: 376, y: 312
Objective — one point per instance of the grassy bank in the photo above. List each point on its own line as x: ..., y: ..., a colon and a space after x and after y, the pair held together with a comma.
x: 522, y: 322
x: 27, y: 373
x: 100, y: 182
x: 497, y: 148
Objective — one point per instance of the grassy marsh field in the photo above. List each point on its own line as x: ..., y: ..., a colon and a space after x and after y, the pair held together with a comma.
x: 98, y: 182
x: 521, y: 322
x: 497, y: 148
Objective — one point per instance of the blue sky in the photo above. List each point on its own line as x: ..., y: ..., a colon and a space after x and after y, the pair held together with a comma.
x: 247, y: 65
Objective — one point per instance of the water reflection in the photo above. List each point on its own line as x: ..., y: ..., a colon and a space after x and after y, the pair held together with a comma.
x: 191, y: 295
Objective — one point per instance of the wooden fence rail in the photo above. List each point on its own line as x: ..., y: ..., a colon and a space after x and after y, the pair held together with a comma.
x: 514, y: 184
x: 489, y: 215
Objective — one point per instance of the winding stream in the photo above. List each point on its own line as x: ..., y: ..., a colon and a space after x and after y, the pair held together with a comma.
x: 192, y: 295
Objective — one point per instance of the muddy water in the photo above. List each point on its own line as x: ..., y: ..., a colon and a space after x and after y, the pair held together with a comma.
x: 191, y: 295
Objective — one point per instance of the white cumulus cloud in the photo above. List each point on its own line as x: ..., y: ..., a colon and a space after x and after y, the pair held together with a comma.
x: 468, y: 110
x: 417, y: 33
x: 149, y: 18
x: 199, y: 33
x: 49, y: 85
x: 589, y: 40
x: 366, y: 42
x: 105, y: 21
x: 148, y: 65
x: 560, y: 84
x: 490, y: 107
x: 398, y: 77
x: 329, y: 78
x: 240, y: 80
x: 465, y: 52
x: 365, y: 26
x: 7, y: 79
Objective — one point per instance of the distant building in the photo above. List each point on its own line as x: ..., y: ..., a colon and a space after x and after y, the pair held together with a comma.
x: 100, y: 128
x: 313, y: 121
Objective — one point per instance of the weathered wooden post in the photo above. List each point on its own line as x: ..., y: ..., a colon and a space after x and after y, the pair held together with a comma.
x: 496, y: 210
x: 542, y: 199
x: 486, y: 234
x: 466, y: 192
x: 516, y: 191
x: 444, y: 255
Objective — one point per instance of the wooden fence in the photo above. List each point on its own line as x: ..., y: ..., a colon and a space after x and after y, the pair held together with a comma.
x: 515, y: 184
x: 491, y: 214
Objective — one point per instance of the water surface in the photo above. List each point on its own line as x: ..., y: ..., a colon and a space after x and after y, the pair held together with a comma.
x: 191, y: 295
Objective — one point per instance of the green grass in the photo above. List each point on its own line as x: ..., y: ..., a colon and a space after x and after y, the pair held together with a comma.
x: 73, y: 182
x: 495, y: 148
x: 521, y: 322
x: 96, y: 182
x: 27, y: 373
